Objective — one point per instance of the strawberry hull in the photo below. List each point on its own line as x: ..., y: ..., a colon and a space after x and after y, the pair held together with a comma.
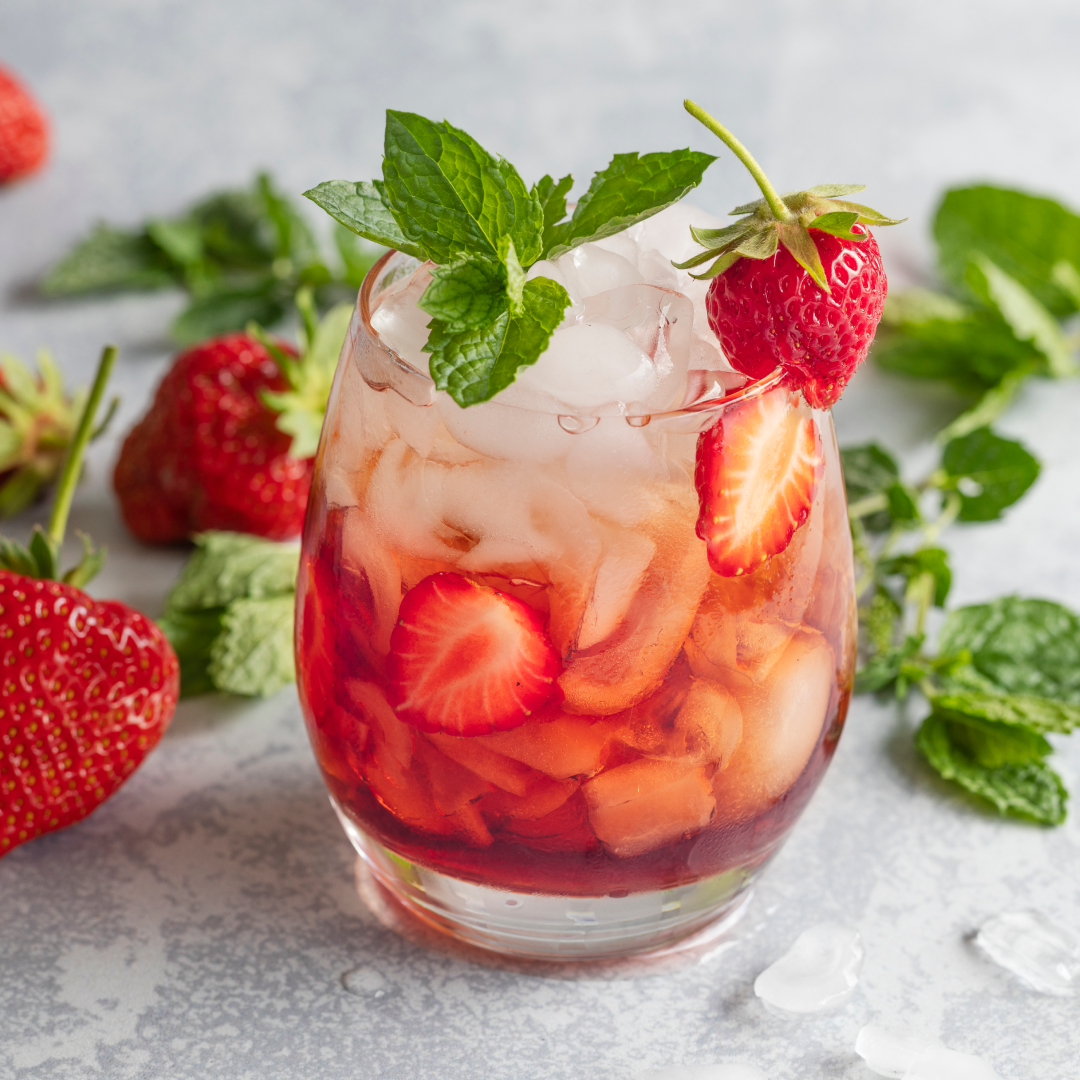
x: 674, y: 707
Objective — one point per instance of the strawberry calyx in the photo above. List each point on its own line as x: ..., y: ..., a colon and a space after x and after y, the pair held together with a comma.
x: 41, y: 557
x: 776, y: 220
x: 309, y: 373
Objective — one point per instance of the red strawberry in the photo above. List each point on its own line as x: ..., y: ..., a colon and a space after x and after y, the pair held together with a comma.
x: 86, y: 686
x: 771, y: 311
x: 757, y: 470
x: 466, y: 659
x: 798, y: 281
x: 24, y: 131
x: 209, y: 454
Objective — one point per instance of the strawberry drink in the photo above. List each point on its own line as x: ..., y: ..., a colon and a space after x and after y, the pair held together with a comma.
x: 575, y: 618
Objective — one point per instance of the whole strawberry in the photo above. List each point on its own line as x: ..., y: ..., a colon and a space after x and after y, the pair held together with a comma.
x: 798, y: 282
x: 230, y: 439
x: 87, y: 687
x: 24, y: 131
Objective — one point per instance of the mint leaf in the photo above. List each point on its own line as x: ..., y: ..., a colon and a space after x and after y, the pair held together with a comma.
x: 552, y: 198
x: 1027, y: 318
x: 1037, y: 714
x: 929, y: 560
x: 229, y: 308
x: 360, y: 208
x: 451, y: 197
x: 1023, y: 234
x: 989, y: 472
x: 474, y: 364
x: 191, y: 634
x: 874, y: 490
x: 253, y: 654
x: 111, y: 260
x: 228, y: 566
x: 1022, y: 646
x: 1031, y: 791
x: 469, y: 294
x: 357, y: 256
x: 629, y: 190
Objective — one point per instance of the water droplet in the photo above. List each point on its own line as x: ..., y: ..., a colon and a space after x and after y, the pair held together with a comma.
x: 1028, y: 944
x: 366, y: 982
x: 638, y: 421
x: 575, y: 425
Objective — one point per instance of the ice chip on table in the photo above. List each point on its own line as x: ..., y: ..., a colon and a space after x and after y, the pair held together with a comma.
x: 1028, y: 944
x: 819, y: 972
x: 908, y: 1057
x: 400, y: 323
x: 590, y: 269
x: 592, y: 364
x: 727, y: 1071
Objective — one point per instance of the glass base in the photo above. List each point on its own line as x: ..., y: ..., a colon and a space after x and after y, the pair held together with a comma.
x: 559, y: 928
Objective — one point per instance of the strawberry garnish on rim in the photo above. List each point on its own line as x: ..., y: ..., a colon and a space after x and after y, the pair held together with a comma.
x: 757, y: 470
x: 466, y: 659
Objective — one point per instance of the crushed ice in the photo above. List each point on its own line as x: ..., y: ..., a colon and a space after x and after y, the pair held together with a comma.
x: 908, y: 1057
x: 819, y: 972
x: 1029, y: 945
x: 731, y: 1071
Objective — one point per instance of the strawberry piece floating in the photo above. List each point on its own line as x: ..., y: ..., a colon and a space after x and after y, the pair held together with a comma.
x: 798, y: 282
x: 24, y: 131
x: 87, y: 687
x: 757, y: 470
x: 466, y: 659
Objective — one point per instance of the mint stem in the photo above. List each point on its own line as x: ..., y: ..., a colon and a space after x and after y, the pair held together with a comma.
x: 69, y: 477
x: 776, y: 204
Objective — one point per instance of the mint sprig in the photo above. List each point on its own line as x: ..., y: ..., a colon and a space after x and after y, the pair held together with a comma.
x: 445, y: 199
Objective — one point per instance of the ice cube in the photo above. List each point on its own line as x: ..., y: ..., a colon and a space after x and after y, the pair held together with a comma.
x: 561, y: 746
x: 592, y: 364
x: 726, y: 1071
x: 499, y: 429
x: 590, y: 269
x: 548, y: 269
x: 365, y: 554
x: 669, y: 231
x: 819, y: 972
x: 416, y: 424
x: 782, y: 721
x: 906, y: 1057
x: 626, y: 558
x: 400, y: 323
x: 1028, y: 944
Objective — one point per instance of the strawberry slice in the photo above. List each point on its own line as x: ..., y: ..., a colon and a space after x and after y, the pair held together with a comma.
x: 757, y: 470
x: 466, y: 659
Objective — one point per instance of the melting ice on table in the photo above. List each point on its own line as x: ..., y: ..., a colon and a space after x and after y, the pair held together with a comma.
x: 909, y: 1057
x: 1028, y: 944
x: 818, y: 972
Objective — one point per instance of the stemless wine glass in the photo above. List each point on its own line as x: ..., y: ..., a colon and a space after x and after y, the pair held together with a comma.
x: 694, y: 713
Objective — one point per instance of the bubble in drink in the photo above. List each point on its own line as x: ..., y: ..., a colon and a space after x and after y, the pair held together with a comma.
x: 1029, y: 945
x: 819, y: 972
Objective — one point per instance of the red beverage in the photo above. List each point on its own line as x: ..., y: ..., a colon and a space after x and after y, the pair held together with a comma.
x: 689, y: 715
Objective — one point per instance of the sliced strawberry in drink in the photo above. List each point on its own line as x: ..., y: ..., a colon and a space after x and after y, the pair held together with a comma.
x: 757, y: 470
x: 466, y: 659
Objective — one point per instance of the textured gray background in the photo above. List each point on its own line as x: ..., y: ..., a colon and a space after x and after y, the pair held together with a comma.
x: 198, y: 925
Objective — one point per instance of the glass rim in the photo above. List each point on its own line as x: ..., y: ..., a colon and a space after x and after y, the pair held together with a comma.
x: 751, y: 389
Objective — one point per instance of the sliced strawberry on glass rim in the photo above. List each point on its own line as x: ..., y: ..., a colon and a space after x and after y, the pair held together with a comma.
x: 466, y: 659
x: 757, y: 470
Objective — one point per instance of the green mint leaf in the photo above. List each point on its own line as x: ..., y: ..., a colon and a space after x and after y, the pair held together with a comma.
x: 473, y: 365
x: 191, y: 634
x: 989, y: 743
x: 1033, y: 791
x: 229, y: 308
x: 357, y: 256
x: 1021, y: 646
x: 1027, y: 318
x: 989, y: 473
x: 360, y: 208
x: 253, y: 654
x: 880, y: 620
x: 886, y: 669
x: 1067, y: 278
x: 631, y: 189
x: 552, y: 198
x: 989, y: 407
x: 181, y: 240
x: 111, y: 260
x: 1023, y: 234
x: 469, y: 294
x: 451, y: 197
x: 295, y: 240
x: 930, y: 560
x: 1036, y: 714
x: 229, y: 566
x: 515, y: 274
x: 874, y: 491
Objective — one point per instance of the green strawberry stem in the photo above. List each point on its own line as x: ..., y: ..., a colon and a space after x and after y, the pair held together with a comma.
x: 69, y: 477
x: 776, y: 204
